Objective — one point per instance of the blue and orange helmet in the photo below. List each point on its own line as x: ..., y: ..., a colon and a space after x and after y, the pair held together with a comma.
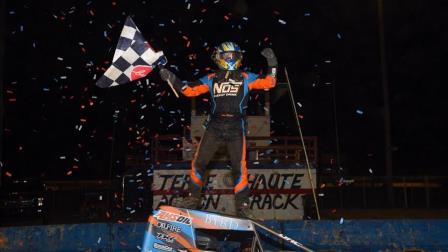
x: 228, y: 56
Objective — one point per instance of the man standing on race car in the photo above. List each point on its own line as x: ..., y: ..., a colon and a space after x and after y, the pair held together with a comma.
x: 229, y: 91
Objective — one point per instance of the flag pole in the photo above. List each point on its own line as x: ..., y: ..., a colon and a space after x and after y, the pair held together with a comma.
x: 303, y: 144
x: 172, y: 88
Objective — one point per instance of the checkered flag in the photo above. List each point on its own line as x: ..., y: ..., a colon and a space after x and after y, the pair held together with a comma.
x: 133, y: 59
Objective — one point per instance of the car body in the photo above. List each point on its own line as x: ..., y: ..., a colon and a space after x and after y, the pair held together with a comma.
x: 172, y: 229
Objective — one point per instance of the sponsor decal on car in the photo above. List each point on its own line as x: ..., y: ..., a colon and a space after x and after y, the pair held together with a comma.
x: 165, y: 237
x: 163, y: 215
x: 220, y: 221
x: 169, y: 227
x: 162, y: 247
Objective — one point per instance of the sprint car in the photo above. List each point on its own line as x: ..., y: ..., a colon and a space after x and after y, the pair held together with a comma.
x: 179, y: 229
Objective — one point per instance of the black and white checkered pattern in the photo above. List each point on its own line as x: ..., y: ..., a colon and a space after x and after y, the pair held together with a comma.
x: 133, y: 53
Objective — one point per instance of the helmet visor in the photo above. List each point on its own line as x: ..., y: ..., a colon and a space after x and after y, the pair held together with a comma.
x: 230, y: 56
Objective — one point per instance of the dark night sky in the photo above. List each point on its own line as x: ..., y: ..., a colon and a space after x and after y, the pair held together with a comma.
x: 54, y: 49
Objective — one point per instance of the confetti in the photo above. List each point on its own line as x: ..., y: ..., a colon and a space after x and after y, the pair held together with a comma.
x: 71, y: 77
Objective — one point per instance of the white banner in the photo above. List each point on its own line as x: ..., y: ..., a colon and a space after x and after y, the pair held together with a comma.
x: 276, y: 193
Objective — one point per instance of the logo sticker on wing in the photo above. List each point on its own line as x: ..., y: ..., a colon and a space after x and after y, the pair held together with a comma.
x: 162, y: 215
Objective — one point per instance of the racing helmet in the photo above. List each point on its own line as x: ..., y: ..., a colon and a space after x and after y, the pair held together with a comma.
x: 228, y: 56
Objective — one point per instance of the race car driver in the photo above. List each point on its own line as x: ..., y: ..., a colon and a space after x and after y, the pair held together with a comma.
x: 229, y: 89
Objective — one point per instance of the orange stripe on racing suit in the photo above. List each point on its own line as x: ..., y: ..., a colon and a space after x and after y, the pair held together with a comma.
x: 242, y: 184
x: 263, y: 83
x: 197, y: 180
x: 197, y: 88
x: 195, y: 91
x: 193, y: 176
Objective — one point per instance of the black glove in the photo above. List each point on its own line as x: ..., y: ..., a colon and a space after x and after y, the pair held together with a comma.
x: 167, y: 75
x: 269, y: 54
